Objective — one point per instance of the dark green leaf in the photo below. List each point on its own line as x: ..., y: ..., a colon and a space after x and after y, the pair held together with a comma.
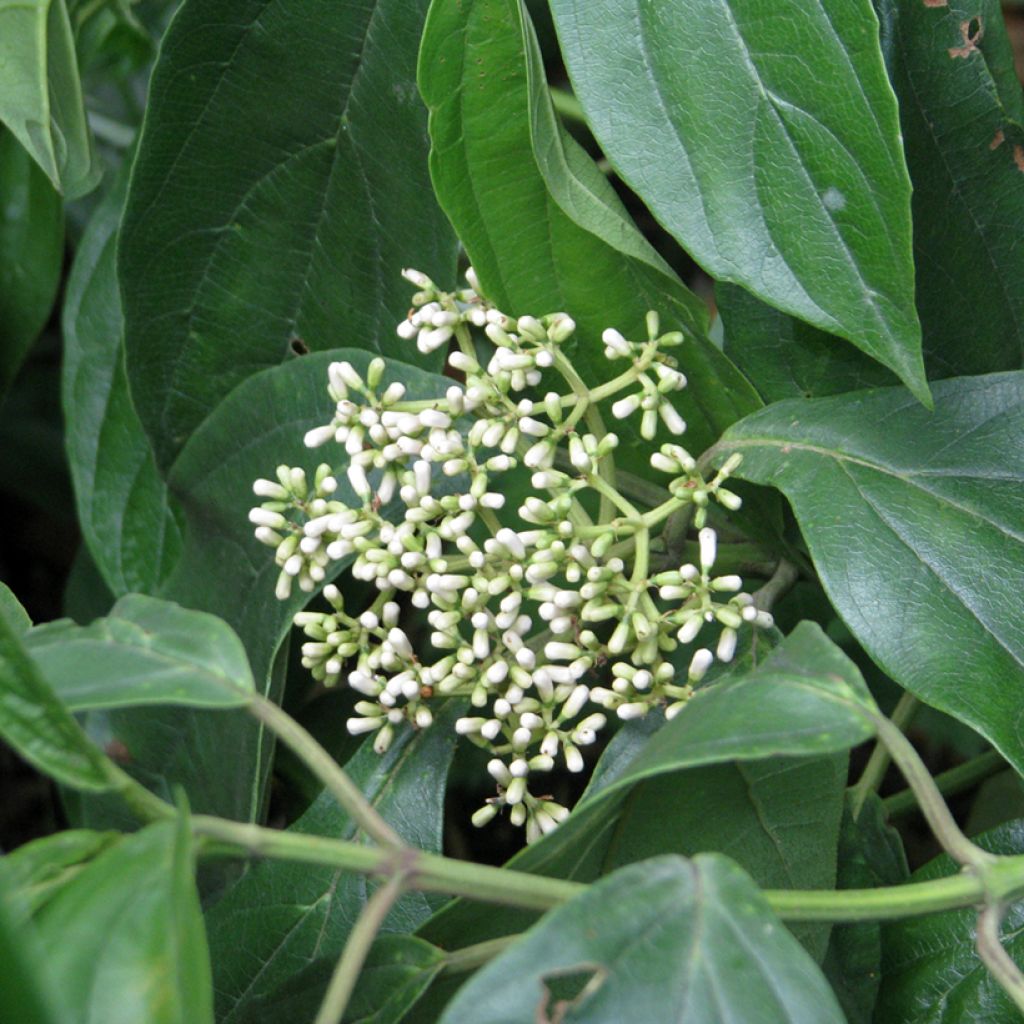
x: 396, y: 973
x: 279, y: 188
x: 147, y: 651
x: 26, y: 995
x: 786, y: 358
x: 870, y: 855
x: 40, y: 869
x: 40, y: 95
x: 667, y: 940
x: 31, y: 252
x: 281, y: 918
x: 765, y: 137
x: 807, y: 698
x: 123, y: 506
x: 125, y: 939
x: 915, y: 522
x: 778, y: 819
x: 213, y: 479
x: 931, y: 973
x: 543, y: 227
x: 35, y: 723
x: 963, y: 129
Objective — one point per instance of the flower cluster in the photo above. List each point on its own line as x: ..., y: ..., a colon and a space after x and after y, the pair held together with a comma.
x: 529, y: 608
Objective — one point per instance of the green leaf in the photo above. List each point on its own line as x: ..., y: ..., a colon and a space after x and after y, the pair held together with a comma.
x: 124, y: 510
x: 147, y: 651
x: 27, y: 995
x: 807, y: 699
x: 12, y: 611
x: 963, y: 128
x: 777, y: 818
x: 125, y: 939
x: 765, y: 137
x: 40, y: 95
x: 271, y: 211
x: 870, y: 855
x: 667, y: 940
x: 35, y: 723
x: 397, y: 971
x: 283, y: 917
x: 914, y: 521
x: 38, y: 870
x: 542, y: 226
x: 31, y: 253
x: 786, y: 358
x: 931, y: 973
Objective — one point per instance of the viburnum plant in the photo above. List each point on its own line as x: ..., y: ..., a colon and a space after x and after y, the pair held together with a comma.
x: 632, y: 633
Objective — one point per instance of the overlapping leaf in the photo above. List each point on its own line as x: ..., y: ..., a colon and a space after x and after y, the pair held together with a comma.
x: 962, y: 116
x: 276, y: 934
x: 543, y: 227
x: 931, y: 973
x: 147, y: 651
x: 279, y: 188
x: 124, y: 510
x: 40, y: 95
x: 806, y: 699
x: 915, y: 522
x: 31, y: 253
x: 765, y: 137
x: 667, y: 940
x: 124, y: 940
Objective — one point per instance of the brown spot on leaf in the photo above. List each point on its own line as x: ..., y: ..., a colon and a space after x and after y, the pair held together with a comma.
x: 971, y: 32
x: 936, y: 3
x: 299, y: 347
x: 118, y: 752
x: 998, y: 139
x: 1018, y: 158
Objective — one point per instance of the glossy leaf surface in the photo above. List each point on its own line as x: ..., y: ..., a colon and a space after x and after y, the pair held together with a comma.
x: 279, y: 188
x: 779, y: 174
x: 147, y: 651
x: 885, y: 491
x: 668, y: 940
x: 787, y: 358
x: 541, y: 224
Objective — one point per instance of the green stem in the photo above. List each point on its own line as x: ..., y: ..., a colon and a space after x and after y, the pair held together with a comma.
x: 933, y: 807
x: 469, y: 958
x: 878, y: 763
x: 994, y: 956
x: 148, y: 806
x: 785, y: 575
x: 1001, y: 878
x: 566, y: 104
x: 346, y: 974
x: 950, y: 783
x: 350, y: 798
x: 641, y: 490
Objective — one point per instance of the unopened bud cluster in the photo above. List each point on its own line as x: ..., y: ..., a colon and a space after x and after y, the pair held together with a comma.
x: 545, y: 619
